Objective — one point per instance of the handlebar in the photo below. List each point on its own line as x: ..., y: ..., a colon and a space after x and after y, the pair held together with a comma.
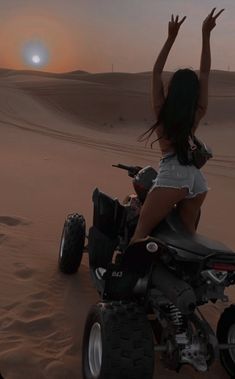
x: 132, y: 170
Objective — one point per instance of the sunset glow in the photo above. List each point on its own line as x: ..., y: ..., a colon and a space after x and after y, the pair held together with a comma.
x: 37, y: 39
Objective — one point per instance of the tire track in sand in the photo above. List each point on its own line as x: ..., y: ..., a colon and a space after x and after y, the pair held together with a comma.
x: 219, y: 161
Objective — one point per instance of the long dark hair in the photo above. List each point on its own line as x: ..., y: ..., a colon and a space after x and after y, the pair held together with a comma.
x: 177, y: 114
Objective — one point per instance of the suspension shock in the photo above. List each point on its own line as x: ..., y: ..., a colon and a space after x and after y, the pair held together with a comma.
x: 177, y: 318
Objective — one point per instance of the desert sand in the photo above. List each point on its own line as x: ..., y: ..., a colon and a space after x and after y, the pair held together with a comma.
x: 60, y: 135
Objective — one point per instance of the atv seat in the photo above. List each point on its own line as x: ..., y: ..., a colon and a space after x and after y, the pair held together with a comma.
x: 173, y: 233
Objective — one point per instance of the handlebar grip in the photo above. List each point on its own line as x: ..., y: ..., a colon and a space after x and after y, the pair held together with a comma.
x: 124, y: 167
x: 132, y: 170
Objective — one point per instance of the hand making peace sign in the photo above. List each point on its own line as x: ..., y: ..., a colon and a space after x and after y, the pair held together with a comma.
x: 210, y: 22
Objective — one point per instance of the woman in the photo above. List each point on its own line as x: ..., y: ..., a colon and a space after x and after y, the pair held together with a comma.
x: 178, y: 116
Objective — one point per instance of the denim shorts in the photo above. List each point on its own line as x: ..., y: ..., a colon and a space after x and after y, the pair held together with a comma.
x: 172, y: 174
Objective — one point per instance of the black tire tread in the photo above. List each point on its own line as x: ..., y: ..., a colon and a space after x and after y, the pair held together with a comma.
x: 74, y: 232
x: 128, y: 351
x: 227, y: 319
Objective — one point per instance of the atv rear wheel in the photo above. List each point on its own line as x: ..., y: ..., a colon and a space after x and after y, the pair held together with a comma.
x: 117, y: 342
x: 225, y: 335
x: 72, y: 243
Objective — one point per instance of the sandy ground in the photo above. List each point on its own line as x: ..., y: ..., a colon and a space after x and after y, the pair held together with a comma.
x: 59, y: 138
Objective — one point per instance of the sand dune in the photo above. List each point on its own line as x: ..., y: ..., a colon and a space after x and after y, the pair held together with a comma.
x: 117, y: 99
x: 57, y: 145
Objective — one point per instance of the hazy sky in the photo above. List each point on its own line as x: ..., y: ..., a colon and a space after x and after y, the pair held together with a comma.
x: 92, y: 35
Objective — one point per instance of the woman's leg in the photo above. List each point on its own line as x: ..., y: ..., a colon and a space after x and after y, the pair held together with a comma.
x: 156, y: 207
x: 189, y: 211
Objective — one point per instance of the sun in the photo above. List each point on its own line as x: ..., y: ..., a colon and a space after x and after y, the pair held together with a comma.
x: 36, y: 59
x: 35, y: 53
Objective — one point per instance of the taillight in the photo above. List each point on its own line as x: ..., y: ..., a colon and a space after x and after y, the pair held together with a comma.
x: 222, y: 266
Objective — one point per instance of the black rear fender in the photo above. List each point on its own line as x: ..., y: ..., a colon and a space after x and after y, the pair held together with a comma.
x: 100, y: 248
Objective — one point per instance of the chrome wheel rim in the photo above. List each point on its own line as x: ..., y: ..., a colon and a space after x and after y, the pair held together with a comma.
x: 62, y: 247
x: 95, y: 350
x: 231, y: 339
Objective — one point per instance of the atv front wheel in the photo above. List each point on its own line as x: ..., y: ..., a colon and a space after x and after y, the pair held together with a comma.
x: 226, y: 335
x: 72, y: 244
x: 117, y: 342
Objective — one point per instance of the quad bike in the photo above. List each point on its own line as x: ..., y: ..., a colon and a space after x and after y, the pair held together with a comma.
x: 150, y: 291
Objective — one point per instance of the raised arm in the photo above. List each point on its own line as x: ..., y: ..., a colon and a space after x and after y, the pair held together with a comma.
x: 157, y: 85
x: 205, y: 64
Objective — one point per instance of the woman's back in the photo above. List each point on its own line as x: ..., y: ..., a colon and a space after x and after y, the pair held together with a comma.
x: 165, y: 144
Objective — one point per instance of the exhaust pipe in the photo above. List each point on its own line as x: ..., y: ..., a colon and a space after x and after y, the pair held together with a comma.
x: 176, y: 290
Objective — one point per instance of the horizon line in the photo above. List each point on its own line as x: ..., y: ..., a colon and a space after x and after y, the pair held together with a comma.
x: 95, y: 73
